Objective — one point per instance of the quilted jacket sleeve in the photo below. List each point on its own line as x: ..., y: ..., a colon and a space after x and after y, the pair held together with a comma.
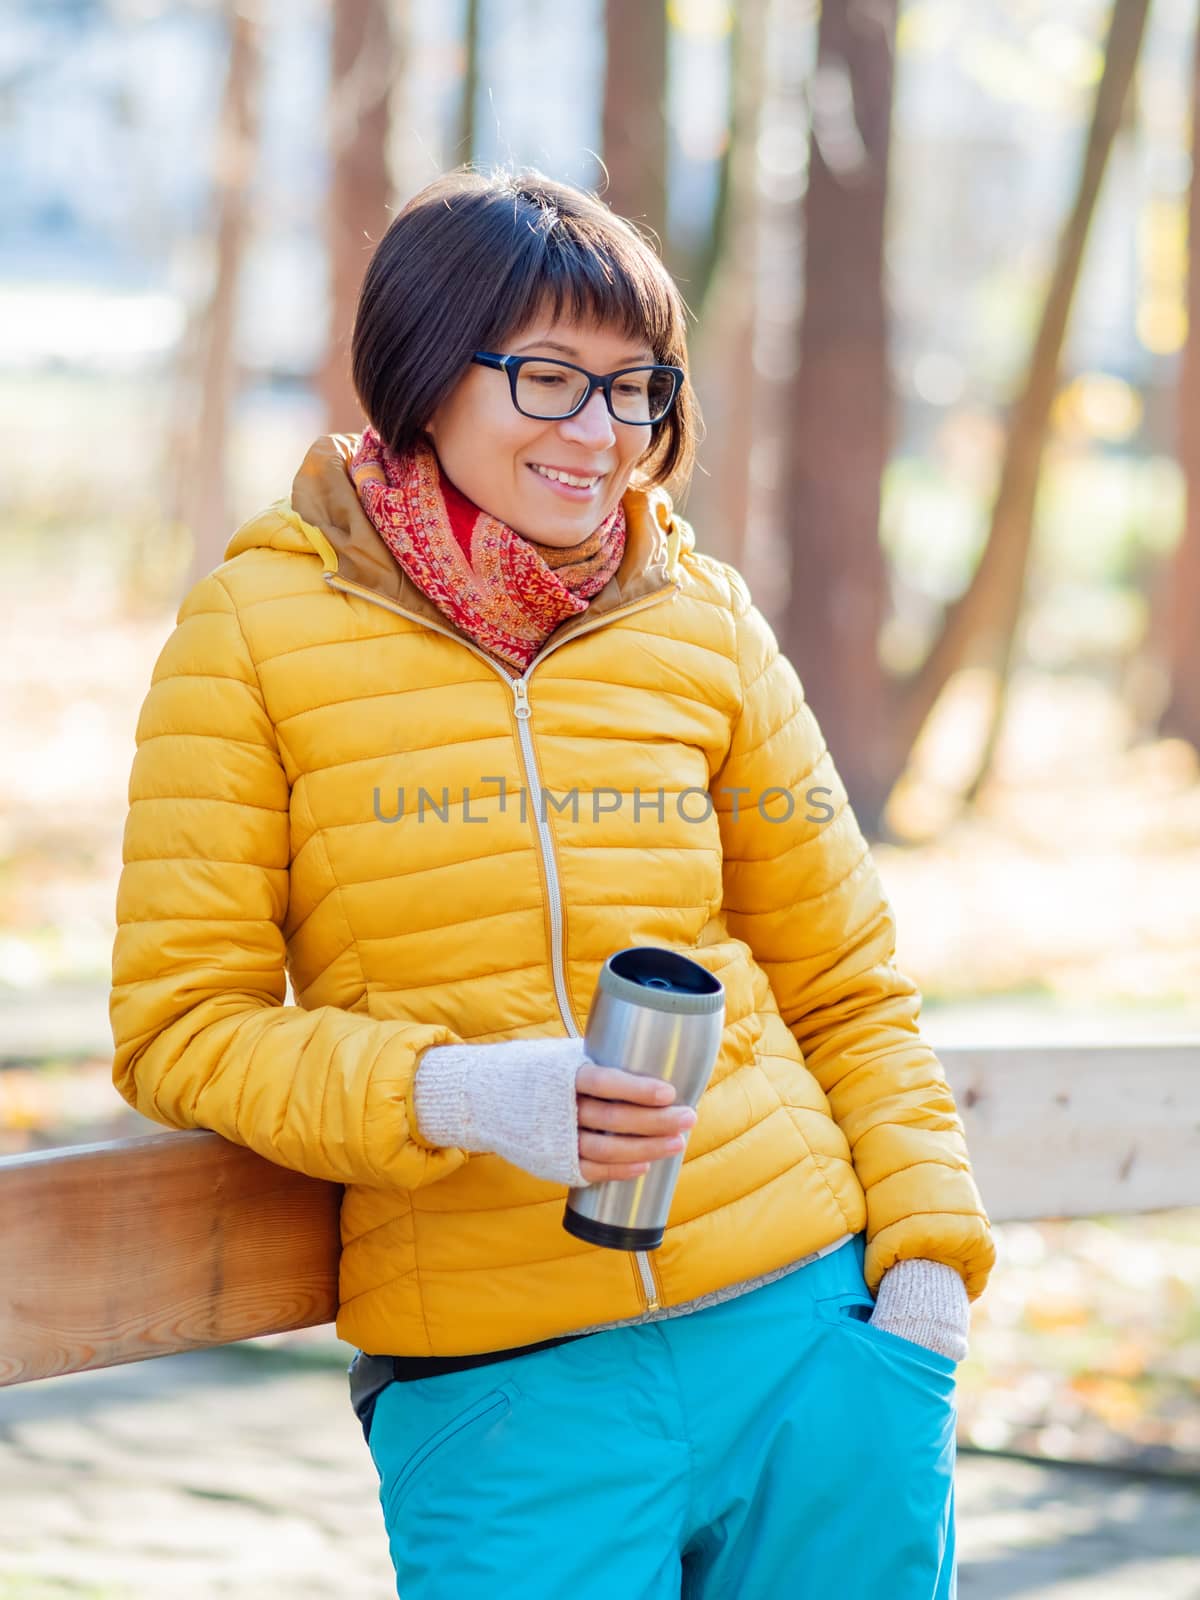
x: 801, y: 888
x: 202, y: 1036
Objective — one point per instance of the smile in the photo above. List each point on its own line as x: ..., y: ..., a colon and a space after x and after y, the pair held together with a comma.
x: 572, y: 480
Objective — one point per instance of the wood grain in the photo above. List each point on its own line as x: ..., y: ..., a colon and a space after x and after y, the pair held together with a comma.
x: 1080, y: 1130
x: 149, y: 1246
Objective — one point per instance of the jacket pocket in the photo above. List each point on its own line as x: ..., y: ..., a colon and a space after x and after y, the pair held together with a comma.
x: 465, y: 1425
x: 852, y: 1312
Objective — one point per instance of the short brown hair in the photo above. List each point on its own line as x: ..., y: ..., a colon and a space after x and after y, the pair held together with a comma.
x: 471, y: 260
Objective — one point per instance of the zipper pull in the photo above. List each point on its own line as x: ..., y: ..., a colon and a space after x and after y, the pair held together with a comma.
x: 522, y: 694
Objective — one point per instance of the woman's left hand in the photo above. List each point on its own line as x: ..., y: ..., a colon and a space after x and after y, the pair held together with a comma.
x: 925, y: 1301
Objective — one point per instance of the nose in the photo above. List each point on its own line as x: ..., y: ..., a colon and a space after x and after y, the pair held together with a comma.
x: 592, y: 426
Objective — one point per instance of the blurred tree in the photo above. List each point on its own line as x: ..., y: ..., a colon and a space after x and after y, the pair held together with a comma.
x: 465, y: 146
x: 980, y: 625
x: 363, y: 62
x: 1181, y: 717
x: 201, y: 479
x: 837, y: 410
x: 694, y: 263
x: 723, y: 345
x: 634, y: 131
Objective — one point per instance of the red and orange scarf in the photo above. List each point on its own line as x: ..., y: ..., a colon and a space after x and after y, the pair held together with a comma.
x: 506, y: 592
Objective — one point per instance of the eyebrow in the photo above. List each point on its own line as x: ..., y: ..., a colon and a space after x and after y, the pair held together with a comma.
x: 569, y: 350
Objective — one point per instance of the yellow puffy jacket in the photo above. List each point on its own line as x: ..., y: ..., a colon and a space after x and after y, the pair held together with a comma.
x: 307, y: 683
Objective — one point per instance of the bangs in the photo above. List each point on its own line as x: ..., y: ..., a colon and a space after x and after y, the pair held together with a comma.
x: 570, y: 272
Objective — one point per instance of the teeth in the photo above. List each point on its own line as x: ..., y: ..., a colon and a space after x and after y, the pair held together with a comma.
x: 567, y: 477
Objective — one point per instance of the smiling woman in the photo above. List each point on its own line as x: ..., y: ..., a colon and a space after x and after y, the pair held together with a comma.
x: 489, y: 592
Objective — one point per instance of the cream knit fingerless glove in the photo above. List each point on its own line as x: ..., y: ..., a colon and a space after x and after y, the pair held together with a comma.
x: 515, y: 1100
x: 925, y: 1301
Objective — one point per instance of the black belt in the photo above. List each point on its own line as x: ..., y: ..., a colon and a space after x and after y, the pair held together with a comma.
x: 405, y: 1368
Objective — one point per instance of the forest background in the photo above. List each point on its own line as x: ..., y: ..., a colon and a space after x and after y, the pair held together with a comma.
x: 946, y: 340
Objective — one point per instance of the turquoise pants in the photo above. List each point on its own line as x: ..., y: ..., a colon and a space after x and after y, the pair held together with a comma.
x: 772, y: 1445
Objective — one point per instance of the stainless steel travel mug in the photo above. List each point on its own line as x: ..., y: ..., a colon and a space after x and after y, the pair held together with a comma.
x: 661, y: 1014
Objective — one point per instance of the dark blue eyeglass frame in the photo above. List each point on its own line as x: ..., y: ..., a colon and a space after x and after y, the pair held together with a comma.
x: 512, y: 366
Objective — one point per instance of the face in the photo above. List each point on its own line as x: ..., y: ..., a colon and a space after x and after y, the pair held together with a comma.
x: 490, y: 452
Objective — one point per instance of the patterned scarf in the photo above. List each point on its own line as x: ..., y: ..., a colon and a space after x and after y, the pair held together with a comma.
x: 506, y: 592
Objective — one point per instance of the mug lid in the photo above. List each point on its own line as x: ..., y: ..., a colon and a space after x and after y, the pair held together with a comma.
x: 662, y: 980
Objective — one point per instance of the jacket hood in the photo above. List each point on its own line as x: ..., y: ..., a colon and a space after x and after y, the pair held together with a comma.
x: 325, y: 515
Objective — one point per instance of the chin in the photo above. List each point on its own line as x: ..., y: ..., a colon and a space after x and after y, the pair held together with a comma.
x: 558, y: 538
x: 575, y: 531
x: 561, y: 532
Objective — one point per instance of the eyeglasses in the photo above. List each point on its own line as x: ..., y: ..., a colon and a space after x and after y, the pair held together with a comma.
x: 550, y: 390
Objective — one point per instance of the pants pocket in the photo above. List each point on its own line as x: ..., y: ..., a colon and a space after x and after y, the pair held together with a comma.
x: 408, y: 1451
x: 852, y: 1313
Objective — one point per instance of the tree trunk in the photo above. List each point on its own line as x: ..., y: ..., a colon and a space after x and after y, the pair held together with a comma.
x: 723, y: 365
x: 1181, y: 716
x: 838, y: 406
x: 635, y: 112
x: 362, y: 69
x: 465, y: 143
x: 980, y: 625
x: 204, y: 491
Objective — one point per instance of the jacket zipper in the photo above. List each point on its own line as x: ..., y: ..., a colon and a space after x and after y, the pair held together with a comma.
x: 649, y: 1286
x: 524, y: 715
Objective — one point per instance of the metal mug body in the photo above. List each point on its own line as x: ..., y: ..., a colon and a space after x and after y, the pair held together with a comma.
x: 656, y: 1013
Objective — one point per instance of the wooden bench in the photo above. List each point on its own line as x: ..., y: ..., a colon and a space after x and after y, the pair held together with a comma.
x: 151, y: 1246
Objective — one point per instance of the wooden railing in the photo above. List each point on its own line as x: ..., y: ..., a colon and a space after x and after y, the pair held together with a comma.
x: 177, y: 1241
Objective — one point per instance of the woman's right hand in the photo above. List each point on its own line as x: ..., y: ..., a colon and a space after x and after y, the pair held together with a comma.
x: 625, y: 1122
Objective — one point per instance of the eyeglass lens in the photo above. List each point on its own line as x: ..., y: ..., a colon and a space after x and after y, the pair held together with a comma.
x: 547, y: 389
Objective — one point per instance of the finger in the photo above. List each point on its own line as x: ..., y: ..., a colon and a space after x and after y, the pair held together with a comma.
x: 593, y: 1172
x: 612, y: 1147
x: 612, y: 1083
x: 616, y: 1116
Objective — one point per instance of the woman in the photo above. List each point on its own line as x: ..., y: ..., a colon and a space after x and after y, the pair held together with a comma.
x: 460, y: 718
